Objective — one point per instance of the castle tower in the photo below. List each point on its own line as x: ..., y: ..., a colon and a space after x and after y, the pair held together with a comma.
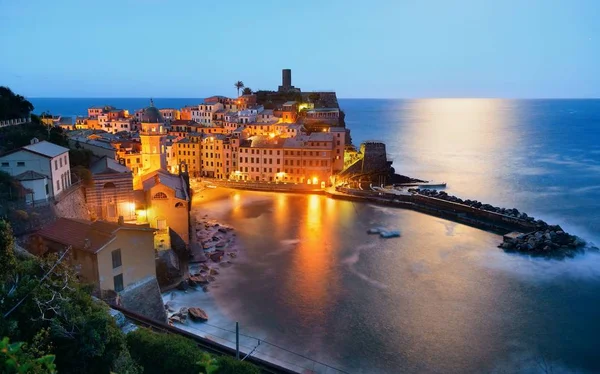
x: 152, y: 137
x: 286, y: 81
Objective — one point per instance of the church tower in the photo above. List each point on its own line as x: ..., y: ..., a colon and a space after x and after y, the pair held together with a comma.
x: 152, y: 137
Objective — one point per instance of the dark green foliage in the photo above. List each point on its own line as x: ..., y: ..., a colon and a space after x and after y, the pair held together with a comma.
x: 229, y: 365
x: 57, y: 315
x: 13, y: 359
x: 13, y: 106
x: 84, y: 175
x: 272, y: 99
x: 239, y: 85
x: 80, y: 157
x: 247, y: 91
x: 13, y: 137
x: 10, y: 188
x: 8, y: 261
x: 162, y: 353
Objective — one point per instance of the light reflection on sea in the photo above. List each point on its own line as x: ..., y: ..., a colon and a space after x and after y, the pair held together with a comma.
x: 442, y: 298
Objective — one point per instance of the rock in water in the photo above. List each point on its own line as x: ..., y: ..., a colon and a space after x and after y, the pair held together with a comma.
x: 198, y: 314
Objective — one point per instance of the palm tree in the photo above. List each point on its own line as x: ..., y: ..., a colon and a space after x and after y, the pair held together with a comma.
x: 247, y: 91
x: 239, y: 85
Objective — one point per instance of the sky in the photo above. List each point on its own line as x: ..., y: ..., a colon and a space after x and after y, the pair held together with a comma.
x: 361, y: 49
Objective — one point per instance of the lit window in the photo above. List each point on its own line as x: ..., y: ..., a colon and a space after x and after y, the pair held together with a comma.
x: 159, y: 196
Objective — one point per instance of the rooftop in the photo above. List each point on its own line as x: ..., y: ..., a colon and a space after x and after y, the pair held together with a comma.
x: 47, y: 149
x: 174, y: 182
x: 85, y: 235
x: 107, y: 165
x: 29, y: 175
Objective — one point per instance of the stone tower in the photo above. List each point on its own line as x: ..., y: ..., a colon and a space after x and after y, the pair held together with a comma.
x: 286, y: 81
x: 152, y: 136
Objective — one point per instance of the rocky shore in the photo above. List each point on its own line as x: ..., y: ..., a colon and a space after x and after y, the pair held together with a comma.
x: 214, y: 248
x: 544, y: 240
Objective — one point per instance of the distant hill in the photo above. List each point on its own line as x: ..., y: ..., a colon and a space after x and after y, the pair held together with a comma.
x: 13, y: 106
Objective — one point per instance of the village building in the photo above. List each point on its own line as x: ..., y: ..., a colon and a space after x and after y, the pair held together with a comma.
x: 110, y: 196
x: 43, y: 158
x: 108, y: 255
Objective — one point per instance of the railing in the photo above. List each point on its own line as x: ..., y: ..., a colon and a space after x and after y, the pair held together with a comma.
x: 14, y: 121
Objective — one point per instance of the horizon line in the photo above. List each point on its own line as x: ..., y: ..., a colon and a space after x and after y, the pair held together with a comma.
x: 339, y: 98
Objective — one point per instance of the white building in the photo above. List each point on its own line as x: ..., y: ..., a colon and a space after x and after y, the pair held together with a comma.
x: 204, y: 114
x: 36, y: 184
x: 43, y: 158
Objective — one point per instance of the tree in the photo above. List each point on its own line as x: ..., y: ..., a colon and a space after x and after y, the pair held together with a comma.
x: 44, y: 305
x: 13, y: 106
x: 8, y: 261
x: 314, y: 97
x: 239, y: 85
x: 14, y: 360
x: 247, y: 91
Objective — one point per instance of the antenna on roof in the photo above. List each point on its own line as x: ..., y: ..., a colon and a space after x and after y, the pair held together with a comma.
x: 151, y: 102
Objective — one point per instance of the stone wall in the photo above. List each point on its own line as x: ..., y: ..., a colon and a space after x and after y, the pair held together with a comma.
x: 71, y: 204
x: 144, y: 298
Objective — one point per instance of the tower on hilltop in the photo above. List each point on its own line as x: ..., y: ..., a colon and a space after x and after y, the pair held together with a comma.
x: 286, y: 81
x: 152, y: 137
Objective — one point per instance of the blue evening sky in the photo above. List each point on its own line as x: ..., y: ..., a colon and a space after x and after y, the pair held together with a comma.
x: 362, y: 49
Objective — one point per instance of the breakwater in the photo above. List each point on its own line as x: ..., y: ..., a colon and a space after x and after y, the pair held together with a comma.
x: 525, y: 234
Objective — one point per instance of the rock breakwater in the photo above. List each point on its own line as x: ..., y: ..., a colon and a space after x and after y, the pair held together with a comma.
x: 541, y: 238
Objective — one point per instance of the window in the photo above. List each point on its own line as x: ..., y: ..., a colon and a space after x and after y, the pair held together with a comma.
x: 55, y: 164
x: 60, y: 162
x: 116, y: 258
x: 20, y: 163
x: 179, y: 205
x: 57, y: 185
x: 159, y: 196
x: 118, y: 279
x: 5, y: 164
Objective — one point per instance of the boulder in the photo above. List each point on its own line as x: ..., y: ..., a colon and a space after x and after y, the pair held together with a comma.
x: 198, y: 314
x: 183, y: 285
x: 198, y: 280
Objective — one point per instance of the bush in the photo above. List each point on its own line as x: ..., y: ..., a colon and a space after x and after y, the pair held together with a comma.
x: 162, y: 353
x: 229, y: 365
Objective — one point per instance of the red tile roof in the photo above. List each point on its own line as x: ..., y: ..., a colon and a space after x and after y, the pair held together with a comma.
x: 72, y: 232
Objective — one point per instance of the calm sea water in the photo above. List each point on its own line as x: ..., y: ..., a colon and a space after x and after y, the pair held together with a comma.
x: 442, y: 298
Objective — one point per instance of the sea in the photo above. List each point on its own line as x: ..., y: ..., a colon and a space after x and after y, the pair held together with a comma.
x: 320, y: 294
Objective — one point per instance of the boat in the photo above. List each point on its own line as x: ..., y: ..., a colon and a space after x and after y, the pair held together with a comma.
x: 389, y: 234
x: 375, y: 230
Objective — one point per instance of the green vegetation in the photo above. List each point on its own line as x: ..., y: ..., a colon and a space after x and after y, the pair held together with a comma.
x: 272, y: 99
x: 61, y: 326
x: 10, y: 188
x: 247, y: 91
x: 159, y: 353
x: 13, y: 106
x: 14, y: 360
x: 239, y: 85
x: 12, y: 137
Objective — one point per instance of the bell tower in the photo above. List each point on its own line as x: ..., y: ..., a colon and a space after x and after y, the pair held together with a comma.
x: 152, y: 137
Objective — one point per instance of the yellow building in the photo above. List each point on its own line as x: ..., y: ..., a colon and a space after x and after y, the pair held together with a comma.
x: 167, y: 204
x: 108, y: 255
x: 187, y: 151
x: 152, y: 137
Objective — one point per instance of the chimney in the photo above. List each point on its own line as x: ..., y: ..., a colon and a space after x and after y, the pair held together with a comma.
x: 34, y: 141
